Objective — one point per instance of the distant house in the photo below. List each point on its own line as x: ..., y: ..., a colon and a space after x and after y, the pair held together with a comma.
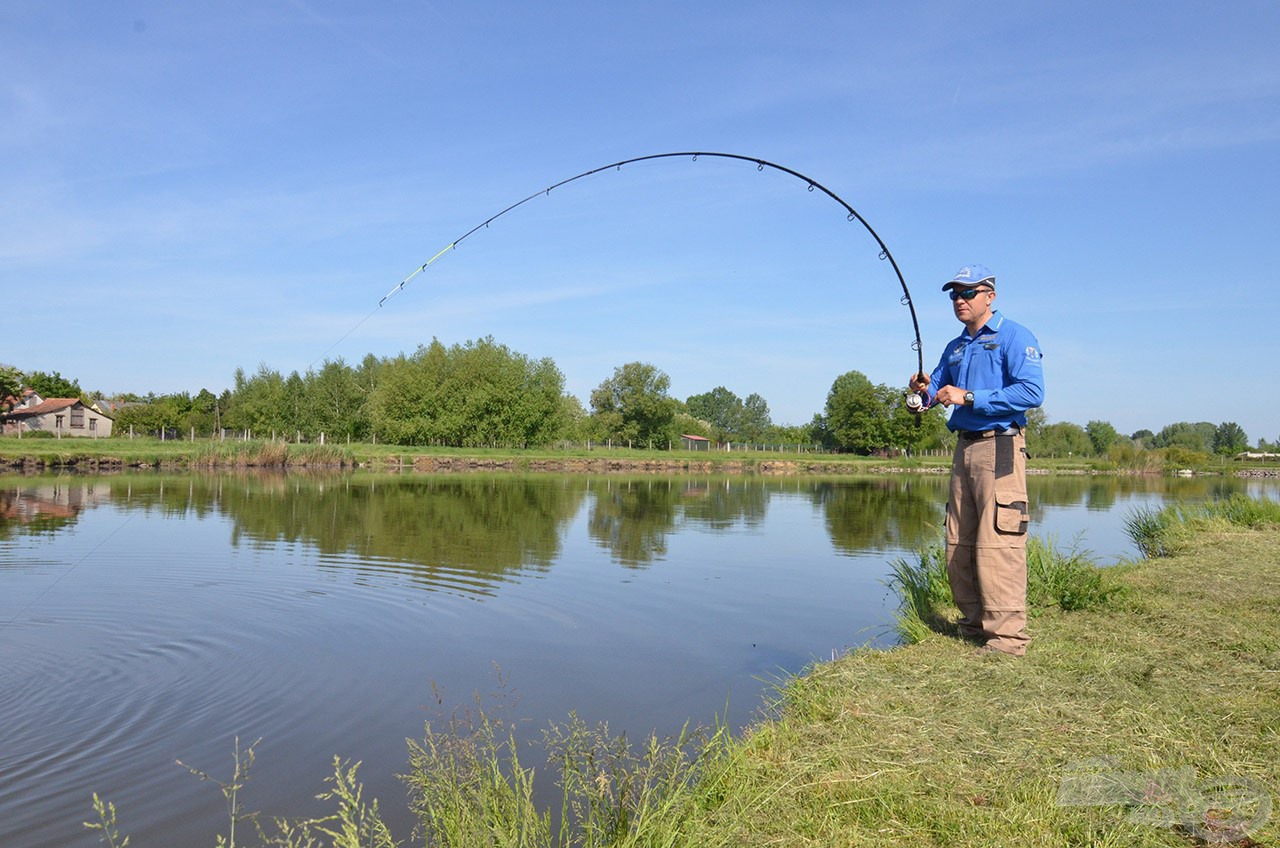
x: 695, y: 442
x: 111, y: 407
x: 60, y: 416
x: 29, y: 399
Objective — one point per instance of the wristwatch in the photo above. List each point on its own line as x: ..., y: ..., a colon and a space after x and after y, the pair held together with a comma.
x: 968, y: 398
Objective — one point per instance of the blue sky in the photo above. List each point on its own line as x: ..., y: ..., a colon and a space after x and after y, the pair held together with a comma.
x: 191, y: 188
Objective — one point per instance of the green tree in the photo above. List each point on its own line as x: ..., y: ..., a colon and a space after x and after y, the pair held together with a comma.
x: 10, y: 383
x: 201, y: 413
x: 167, y: 415
x: 754, y: 421
x: 917, y: 431
x: 1183, y: 434
x: 1102, y: 436
x: 139, y: 420
x: 632, y: 406
x: 405, y: 406
x: 857, y: 417
x: 1230, y: 439
x: 257, y: 402
x: 294, y: 408
x: 1037, y: 420
x: 686, y: 424
x: 480, y: 393
x: 576, y: 422
x: 334, y: 402
x: 793, y: 434
x: 52, y: 385
x: 367, y: 373
x: 720, y: 408
x: 1061, y: 439
x: 731, y: 418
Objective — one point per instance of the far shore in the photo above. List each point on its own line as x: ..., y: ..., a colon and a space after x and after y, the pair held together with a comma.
x: 116, y: 454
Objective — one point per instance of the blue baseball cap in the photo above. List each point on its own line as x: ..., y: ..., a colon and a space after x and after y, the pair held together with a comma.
x: 972, y: 275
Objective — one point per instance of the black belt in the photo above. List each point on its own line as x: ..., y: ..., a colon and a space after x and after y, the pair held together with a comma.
x: 987, y: 434
x: 1005, y: 459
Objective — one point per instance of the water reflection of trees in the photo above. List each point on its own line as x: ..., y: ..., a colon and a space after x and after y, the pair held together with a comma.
x: 464, y: 532
x: 633, y: 518
x: 882, y: 513
x: 472, y: 531
x: 1099, y: 493
x: 487, y: 527
x: 724, y: 503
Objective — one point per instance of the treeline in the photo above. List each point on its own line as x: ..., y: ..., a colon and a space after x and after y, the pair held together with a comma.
x: 483, y: 394
x: 1183, y: 441
x: 47, y: 385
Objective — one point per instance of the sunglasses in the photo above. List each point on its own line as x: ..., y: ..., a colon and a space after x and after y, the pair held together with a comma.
x: 967, y: 294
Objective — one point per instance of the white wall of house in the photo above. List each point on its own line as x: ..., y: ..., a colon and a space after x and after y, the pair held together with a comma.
x: 77, y: 421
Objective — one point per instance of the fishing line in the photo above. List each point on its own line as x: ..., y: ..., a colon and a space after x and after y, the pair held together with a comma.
x: 65, y: 574
x: 760, y: 164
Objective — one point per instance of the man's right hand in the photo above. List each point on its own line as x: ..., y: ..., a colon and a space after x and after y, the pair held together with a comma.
x: 918, y: 382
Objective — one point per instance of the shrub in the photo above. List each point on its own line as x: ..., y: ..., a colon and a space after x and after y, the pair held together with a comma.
x: 1055, y: 578
x: 1153, y: 532
x: 1176, y: 458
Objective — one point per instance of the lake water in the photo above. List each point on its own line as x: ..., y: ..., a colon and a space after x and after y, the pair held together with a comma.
x: 146, y: 619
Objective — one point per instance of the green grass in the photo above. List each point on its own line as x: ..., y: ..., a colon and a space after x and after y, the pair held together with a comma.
x: 468, y: 786
x: 1056, y: 578
x: 171, y: 453
x: 930, y: 745
x: 146, y: 452
x: 1172, y: 528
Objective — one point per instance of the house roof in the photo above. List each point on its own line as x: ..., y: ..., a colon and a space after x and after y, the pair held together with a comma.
x: 26, y: 397
x: 694, y: 438
x: 44, y: 407
x: 104, y: 405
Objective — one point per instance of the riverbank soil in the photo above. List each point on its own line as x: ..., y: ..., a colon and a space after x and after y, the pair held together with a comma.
x: 1153, y: 722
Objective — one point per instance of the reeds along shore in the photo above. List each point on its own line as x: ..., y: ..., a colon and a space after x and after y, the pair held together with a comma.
x: 111, y: 455
x: 103, y: 456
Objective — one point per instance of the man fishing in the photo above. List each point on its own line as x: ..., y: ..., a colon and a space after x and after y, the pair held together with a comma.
x: 989, y: 376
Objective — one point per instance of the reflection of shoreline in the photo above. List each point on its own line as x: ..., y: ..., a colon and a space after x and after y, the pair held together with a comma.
x: 484, y: 529
x: 61, y: 500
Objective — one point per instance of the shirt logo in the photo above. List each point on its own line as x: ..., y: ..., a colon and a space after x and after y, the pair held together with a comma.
x: 1033, y: 355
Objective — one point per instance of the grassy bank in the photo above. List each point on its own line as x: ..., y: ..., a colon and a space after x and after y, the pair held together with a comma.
x: 1148, y: 699
x: 117, y: 453
x: 1147, y: 713
x: 145, y: 452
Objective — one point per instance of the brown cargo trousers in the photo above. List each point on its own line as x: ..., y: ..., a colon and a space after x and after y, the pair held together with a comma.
x: 987, y: 538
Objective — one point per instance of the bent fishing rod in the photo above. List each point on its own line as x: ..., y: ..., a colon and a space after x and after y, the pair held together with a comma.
x: 760, y: 164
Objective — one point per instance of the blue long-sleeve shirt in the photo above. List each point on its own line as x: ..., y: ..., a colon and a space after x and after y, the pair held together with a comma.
x: 1001, y: 366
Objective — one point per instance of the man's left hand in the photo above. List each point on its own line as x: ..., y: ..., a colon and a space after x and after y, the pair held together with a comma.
x: 950, y: 396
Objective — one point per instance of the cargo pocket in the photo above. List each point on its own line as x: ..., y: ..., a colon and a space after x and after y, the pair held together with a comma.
x: 1012, y: 517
